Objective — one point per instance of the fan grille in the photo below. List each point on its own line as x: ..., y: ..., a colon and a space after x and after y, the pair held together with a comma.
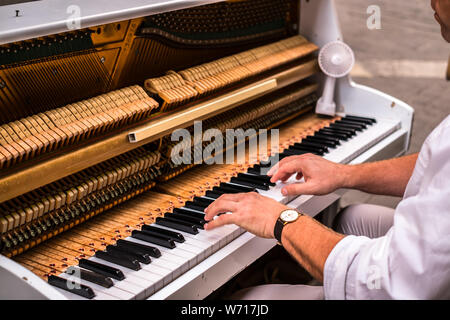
x: 336, y: 59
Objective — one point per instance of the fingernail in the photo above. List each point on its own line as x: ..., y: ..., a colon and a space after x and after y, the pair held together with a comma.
x: 284, y: 191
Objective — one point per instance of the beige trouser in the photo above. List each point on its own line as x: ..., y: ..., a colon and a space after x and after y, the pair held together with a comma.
x: 361, y: 220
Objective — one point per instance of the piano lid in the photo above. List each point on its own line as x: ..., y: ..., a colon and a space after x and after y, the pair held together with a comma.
x: 22, y: 21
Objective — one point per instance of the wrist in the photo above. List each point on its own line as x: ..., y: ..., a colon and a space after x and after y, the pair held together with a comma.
x: 348, y: 176
x: 291, y: 228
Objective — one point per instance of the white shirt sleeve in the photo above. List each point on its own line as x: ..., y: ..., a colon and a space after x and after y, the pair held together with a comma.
x: 412, y: 261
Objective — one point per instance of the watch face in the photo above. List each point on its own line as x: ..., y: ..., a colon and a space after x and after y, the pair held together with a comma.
x: 289, y: 215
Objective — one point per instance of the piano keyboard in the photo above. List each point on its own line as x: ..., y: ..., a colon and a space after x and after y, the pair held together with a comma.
x: 348, y: 146
x: 145, y: 257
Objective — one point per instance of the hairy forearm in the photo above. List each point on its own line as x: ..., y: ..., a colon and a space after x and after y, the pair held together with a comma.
x: 387, y: 177
x: 310, y: 243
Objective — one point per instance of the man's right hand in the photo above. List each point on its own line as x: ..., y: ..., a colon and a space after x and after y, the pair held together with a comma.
x: 321, y: 176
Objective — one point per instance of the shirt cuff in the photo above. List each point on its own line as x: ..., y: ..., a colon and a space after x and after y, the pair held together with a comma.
x: 337, y: 265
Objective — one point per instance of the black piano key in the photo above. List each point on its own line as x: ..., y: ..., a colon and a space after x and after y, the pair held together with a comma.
x: 298, y: 152
x: 264, y: 165
x: 308, y: 149
x: 175, y: 236
x: 261, y: 169
x: 361, y: 119
x: 345, y: 135
x: 130, y: 254
x: 151, y: 238
x: 96, y: 278
x: 220, y: 191
x: 225, y: 190
x: 238, y: 186
x: 345, y: 127
x: 353, y: 123
x: 190, y: 212
x: 349, y: 133
x: 275, y: 158
x: 196, y: 206
x: 107, y: 271
x: 256, y: 177
x: 119, y: 260
x: 253, y: 170
x: 177, y: 225
x: 212, y: 194
x: 248, y: 181
x: 311, y: 144
x: 325, y: 142
x: 138, y: 247
x: 251, y: 184
x: 356, y: 126
x: 336, y: 128
x: 186, y: 218
x: 78, y: 289
x: 204, y: 199
x: 330, y: 137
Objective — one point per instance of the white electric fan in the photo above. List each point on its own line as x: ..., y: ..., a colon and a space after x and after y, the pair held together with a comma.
x: 336, y: 59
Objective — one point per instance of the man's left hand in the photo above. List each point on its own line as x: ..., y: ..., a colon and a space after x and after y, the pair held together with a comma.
x: 251, y: 211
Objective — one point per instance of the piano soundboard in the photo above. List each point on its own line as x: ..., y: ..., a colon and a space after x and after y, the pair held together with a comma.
x: 88, y: 190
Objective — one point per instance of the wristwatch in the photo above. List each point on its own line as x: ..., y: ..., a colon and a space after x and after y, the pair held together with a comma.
x: 286, y: 216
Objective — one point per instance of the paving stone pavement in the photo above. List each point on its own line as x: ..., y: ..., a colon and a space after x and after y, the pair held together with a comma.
x: 408, y: 32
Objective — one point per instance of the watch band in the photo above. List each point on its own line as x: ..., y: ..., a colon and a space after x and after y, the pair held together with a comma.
x: 279, y: 224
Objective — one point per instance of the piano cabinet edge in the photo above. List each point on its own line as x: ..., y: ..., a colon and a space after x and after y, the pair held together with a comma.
x: 19, y: 283
x: 360, y: 100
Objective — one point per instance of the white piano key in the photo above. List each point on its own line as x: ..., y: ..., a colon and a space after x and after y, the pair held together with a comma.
x: 235, y: 230
x: 198, y: 251
x: 164, y: 273
x: 112, y: 293
x: 226, y: 233
x: 130, y: 287
x: 103, y: 296
x: 197, y: 240
x: 190, y: 257
x: 70, y: 295
x: 141, y: 281
x: 168, y: 257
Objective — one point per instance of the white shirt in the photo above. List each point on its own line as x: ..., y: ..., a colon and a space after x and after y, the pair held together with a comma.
x: 412, y: 261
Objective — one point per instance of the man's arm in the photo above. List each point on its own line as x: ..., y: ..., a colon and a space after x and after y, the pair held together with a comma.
x: 388, y: 177
x: 308, y: 241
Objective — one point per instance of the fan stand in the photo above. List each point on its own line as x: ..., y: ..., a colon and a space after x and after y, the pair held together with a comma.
x: 325, y: 105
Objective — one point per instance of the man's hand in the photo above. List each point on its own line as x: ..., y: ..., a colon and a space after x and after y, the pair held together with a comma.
x: 251, y: 211
x: 308, y: 241
x: 321, y: 176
